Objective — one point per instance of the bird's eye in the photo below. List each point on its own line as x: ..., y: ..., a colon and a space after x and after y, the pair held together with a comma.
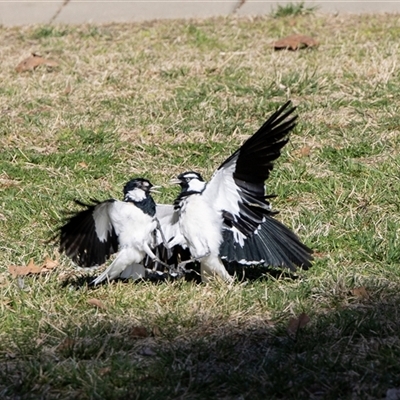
x: 187, y: 179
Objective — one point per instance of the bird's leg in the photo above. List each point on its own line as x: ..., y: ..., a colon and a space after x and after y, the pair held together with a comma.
x: 193, y: 259
x: 163, y: 238
x: 153, y: 257
x: 179, y: 271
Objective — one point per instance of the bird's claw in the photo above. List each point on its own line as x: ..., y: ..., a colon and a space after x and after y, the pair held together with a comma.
x: 157, y: 260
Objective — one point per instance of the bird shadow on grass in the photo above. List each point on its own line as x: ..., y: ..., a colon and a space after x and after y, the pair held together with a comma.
x: 81, y: 281
x: 259, y: 272
x: 349, y: 352
x: 192, y: 274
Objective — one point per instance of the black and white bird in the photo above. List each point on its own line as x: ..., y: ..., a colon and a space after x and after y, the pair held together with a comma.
x: 129, y: 227
x: 230, y: 217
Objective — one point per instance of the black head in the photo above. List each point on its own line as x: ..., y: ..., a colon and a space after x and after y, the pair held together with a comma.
x: 190, y: 181
x: 137, y: 189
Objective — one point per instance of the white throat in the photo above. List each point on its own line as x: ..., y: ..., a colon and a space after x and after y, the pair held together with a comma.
x: 136, y: 195
x: 196, y: 186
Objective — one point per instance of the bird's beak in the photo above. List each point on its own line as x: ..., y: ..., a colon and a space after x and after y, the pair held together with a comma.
x: 174, y: 181
x: 154, y: 189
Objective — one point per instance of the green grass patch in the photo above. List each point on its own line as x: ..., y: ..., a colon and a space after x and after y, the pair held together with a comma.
x: 159, y: 98
x: 292, y: 10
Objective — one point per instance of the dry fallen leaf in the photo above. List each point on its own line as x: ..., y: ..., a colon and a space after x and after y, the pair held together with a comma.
x: 49, y: 264
x: 97, y: 303
x: 319, y: 254
x: 303, y: 152
x: 66, y: 344
x: 34, y: 61
x: 297, y: 323
x: 32, y: 268
x: 360, y: 292
x: 6, y: 183
x: 68, y: 89
x: 82, y: 164
x: 156, y: 331
x: 104, y: 371
x: 22, y: 270
x: 139, y: 332
x: 294, y: 42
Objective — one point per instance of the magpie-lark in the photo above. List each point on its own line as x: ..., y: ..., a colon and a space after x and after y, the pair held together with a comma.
x: 129, y: 227
x: 230, y: 217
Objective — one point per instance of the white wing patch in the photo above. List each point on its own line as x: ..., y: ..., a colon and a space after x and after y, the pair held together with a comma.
x: 102, y: 220
x: 238, y: 236
x: 222, y: 192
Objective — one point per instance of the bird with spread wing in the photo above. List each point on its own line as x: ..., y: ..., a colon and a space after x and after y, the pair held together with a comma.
x: 230, y: 218
x: 129, y: 227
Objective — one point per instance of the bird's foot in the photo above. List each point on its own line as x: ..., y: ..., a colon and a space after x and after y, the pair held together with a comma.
x: 157, y: 260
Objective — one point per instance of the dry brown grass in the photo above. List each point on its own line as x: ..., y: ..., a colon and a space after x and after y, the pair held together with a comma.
x: 155, y: 99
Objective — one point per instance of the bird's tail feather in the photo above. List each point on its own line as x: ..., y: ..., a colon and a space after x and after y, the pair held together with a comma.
x: 273, y: 244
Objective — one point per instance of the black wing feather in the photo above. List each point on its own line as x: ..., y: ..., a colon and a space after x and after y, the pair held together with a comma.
x: 273, y: 245
x: 254, y: 161
x: 255, y: 157
x: 79, y: 241
x: 266, y: 239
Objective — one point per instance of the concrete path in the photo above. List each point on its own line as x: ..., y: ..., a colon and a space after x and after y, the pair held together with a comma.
x: 24, y: 12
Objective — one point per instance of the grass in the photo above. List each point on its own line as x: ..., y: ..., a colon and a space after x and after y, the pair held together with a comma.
x: 292, y: 9
x: 156, y: 99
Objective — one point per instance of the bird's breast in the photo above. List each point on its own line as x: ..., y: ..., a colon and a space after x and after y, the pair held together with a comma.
x: 199, y: 219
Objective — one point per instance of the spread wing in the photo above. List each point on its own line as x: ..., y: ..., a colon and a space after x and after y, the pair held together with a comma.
x: 237, y: 191
x: 88, y: 236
